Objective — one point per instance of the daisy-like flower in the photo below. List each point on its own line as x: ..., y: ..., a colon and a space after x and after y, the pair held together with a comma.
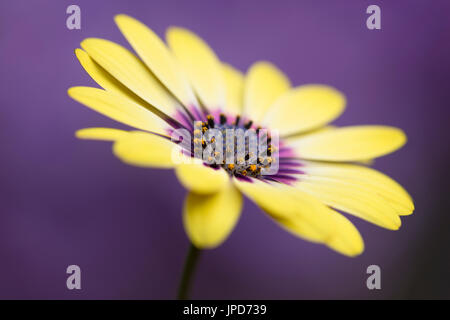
x: 184, y: 86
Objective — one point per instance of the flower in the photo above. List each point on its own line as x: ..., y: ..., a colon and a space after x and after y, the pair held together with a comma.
x: 184, y: 86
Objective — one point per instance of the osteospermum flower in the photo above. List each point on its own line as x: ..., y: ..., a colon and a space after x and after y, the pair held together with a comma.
x: 184, y: 86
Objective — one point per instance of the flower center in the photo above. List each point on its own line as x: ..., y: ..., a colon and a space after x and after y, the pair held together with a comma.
x: 236, y: 146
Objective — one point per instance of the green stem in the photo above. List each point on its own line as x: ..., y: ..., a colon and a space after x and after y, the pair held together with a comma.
x: 188, y: 272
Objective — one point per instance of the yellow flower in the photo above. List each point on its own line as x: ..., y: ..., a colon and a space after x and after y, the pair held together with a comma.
x: 320, y: 168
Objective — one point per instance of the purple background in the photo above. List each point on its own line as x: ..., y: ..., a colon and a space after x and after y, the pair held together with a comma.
x: 65, y: 201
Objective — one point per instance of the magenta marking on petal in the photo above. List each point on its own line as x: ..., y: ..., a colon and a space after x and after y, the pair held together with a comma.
x: 289, y: 164
x: 174, y: 123
x: 198, y: 114
x: 243, y: 178
x: 183, y: 119
x: 284, y: 176
x: 285, y: 179
x: 216, y: 113
x: 292, y: 171
x: 215, y: 166
x: 286, y: 152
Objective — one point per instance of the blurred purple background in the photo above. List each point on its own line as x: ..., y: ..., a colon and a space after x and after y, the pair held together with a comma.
x: 65, y: 201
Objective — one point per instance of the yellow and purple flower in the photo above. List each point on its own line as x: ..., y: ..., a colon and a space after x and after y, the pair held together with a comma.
x: 184, y: 87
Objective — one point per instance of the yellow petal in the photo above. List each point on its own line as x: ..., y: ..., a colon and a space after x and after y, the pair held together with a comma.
x: 304, y: 216
x: 264, y: 83
x: 351, y: 199
x: 292, y: 139
x: 350, y: 143
x: 108, y: 82
x: 200, y: 178
x: 234, y: 83
x: 146, y: 150
x: 131, y: 72
x: 97, y: 73
x: 118, y: 108
x: 201, y: 65
x: 209, y: 219
x: 157, y: 57
x: 369, y: 179
x: 367, y: 162
x: 304, y: 108
x: 106, y: 134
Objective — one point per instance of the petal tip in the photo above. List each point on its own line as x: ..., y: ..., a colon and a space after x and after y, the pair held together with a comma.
x: 88, y: 42
x: 121, y: 18
x: 80, y: 134
x: 74, y: 91
x: 71, y: 91
x: 355, y: 251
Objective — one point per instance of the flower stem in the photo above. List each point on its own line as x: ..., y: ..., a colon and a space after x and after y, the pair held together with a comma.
x: 188, y: 272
